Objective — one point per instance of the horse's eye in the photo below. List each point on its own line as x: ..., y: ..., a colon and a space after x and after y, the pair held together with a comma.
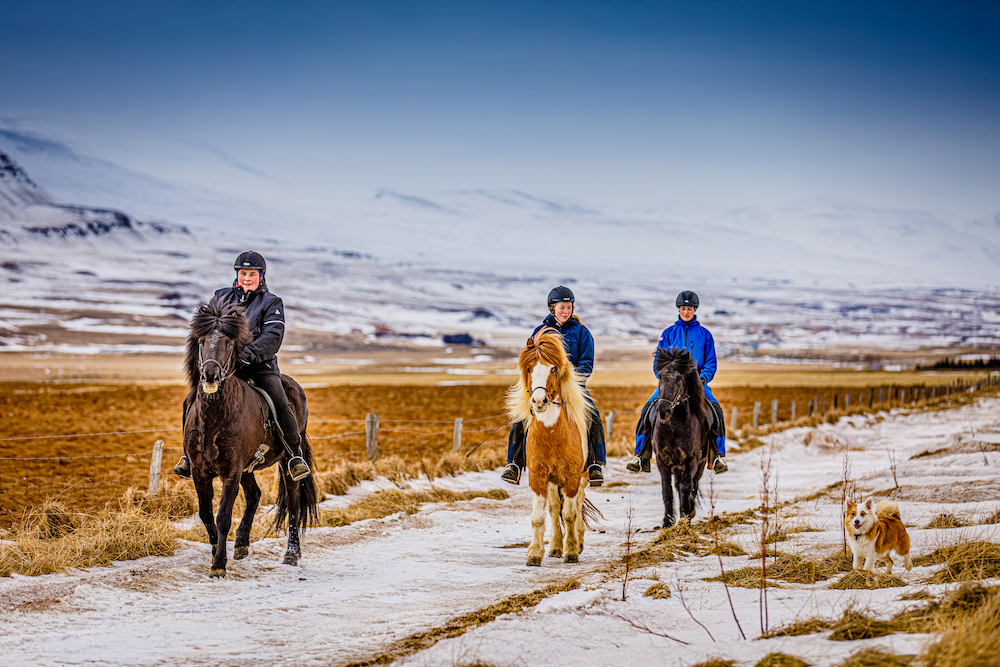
x: 552, y: 370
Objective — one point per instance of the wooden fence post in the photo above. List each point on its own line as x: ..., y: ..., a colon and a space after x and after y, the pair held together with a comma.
x: 811, y: 408
x: 871, y: 397
x: 371, y: 435
x: 847, y: 401
x: 880, y: 395
x: 774, y: 411
x: 756, y: 413
x: 154, y: 469
x: 793, y: 411
x: 456, y: 436
x: 609, y: 426
x: 732, y: 420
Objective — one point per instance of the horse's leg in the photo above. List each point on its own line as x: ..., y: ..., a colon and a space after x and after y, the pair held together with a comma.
x: 570, y: 514
x: 581, y: 526
x: 251, y: 493
x: 666, y: 486
x: 555, y: 511
x: 685, y: 494
x: 537, y: 546
x: 224, y: 520
x: 203, y: 487
x: 292, y: 550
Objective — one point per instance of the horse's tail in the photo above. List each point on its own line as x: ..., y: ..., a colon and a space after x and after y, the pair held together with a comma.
x: 590, y: 514
x: 308, y: 496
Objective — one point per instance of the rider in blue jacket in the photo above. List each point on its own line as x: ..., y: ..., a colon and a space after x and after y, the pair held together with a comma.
x: 579, y: 345
x: 687, y: 333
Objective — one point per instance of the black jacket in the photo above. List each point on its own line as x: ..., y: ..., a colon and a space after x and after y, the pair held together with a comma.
x: 266, y: 313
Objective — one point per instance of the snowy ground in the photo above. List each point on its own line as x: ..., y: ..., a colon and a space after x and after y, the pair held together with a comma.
x: 364, y: 586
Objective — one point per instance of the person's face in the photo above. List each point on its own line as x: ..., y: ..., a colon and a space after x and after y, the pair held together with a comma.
x: 687, y: 313
x: 562, y: 311
x: 248, y: 279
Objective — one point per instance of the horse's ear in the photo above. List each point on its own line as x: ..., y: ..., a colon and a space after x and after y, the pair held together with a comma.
x: 531, y: 342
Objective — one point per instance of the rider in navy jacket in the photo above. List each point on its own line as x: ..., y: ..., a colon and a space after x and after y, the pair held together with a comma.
x: 258, y: 361
x: 579, y: 345
x: 687, y: 333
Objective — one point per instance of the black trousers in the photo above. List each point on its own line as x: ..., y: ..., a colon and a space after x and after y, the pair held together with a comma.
x: 645, y: 426
x: 518, y: 435
x: 271, y: 383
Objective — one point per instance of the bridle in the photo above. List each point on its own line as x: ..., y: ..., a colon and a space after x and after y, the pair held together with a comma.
x: 549, y: 396
x: 671, y: 403
x: 226, y: 369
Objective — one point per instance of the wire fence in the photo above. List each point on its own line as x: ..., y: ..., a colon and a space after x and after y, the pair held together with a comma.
x: 89, y: 481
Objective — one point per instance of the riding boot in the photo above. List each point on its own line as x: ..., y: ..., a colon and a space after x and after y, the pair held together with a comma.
x: 644, y: 428
x: 297, y: 466
x: 183, y: 467
x: 515, y: 454
x: 598, y: 455
x: 271, y: 383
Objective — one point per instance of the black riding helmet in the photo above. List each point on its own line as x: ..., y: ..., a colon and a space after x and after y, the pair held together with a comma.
x: 558, y: 294
x: 687, y: 298
x: 251, y: 260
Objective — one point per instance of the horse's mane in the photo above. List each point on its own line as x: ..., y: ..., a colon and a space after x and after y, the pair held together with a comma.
x: 677, y: 360
x: 547, y: 346
x: 214, y: 316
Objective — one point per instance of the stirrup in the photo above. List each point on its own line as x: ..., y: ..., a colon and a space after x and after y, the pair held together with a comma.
x: 183, y: 468
x: 638, y: 464
x: 511, y: 474
x: 719, y: 466
x: 298, y: 468
x: 595, y: 475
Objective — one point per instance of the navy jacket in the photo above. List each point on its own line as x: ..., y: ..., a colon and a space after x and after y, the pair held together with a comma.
x: 266, y: 313
x: 577, y: 340
x: 697, y: 340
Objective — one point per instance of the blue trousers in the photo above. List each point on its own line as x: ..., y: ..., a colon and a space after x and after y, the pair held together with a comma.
x: 720, y: 442
x: 595, y: 437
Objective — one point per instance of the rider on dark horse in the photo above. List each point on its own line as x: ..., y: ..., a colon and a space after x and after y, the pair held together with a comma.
x: 579, y: 345
x: 258, y: 362
x: 686, y: 333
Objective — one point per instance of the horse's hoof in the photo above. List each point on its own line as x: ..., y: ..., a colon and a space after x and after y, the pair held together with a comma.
x: 290, y: 559
x: 555, y: 553
x: 534, y: 561
x: 218, y: 574
x: 572, y: 558
x: 239, y: 553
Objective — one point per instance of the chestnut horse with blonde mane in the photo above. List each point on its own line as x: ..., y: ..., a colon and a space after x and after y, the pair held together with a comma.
x: 549, y: 398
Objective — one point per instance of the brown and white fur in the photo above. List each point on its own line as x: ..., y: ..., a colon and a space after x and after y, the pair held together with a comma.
x: 549, y: 398
x: 874, y: 530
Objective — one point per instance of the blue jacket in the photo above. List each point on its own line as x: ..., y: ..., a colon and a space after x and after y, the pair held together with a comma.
x: 577, y: 340
x: 697, y: 340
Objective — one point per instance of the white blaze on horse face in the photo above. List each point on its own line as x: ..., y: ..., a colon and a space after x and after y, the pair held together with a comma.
x: 546, y: 413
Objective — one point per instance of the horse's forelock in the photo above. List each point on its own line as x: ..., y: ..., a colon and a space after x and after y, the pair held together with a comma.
x: 674, y: 358
x: 227, y: 320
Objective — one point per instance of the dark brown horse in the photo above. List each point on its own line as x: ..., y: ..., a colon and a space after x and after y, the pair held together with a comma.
x: 224, y: 430
x: 680, y: 431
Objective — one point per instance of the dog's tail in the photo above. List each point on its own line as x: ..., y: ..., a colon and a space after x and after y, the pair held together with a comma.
x: 887, y: 509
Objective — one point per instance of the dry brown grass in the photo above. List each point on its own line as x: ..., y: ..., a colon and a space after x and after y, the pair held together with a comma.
x: 716, y: 662
x: 52, y: 539
x: 973, y: 642
x: 918, y: 595
x: 946, y: 521
x: 462, y: 624
x: 992, y: 518
x: 750, y: 444
x: 952, y: 609
x: 658, y: 591
x: 873, y: 657
x: 854, y: 625
x: 862, y: 579
x: 385, y: 503
x: 780, y: 660
x: 745, y: 577
x: 967, y: 561
x: 807, y: 627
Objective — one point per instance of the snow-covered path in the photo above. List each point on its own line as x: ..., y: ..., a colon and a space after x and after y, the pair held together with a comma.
x: 364, y: 586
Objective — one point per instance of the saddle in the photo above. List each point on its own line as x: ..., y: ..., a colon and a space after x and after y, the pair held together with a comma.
x: 269, y: 414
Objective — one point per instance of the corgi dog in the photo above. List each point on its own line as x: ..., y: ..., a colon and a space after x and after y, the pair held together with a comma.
x: 873, y: 530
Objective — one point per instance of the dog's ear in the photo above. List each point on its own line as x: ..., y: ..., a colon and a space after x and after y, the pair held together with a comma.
x: 870, y: 504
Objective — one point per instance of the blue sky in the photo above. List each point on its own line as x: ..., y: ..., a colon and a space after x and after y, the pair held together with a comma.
x: 621, y: 104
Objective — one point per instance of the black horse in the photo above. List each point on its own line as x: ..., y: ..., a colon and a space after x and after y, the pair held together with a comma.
x: 680, y: 431
x: 223, y: 435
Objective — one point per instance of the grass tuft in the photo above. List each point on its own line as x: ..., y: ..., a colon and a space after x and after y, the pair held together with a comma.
x: 659, y: 591
x: 992, y: 518
x: 873, y: 657
x: 863, y: 579
x: 973, y: 642
x: 50, y: 539
x: 385, y: 503
x: 780, y: 660
x: 806, y: 627
x: 968, y: 561
x: 855, y: 625
x: 716, y: 662
x: 946, y: 521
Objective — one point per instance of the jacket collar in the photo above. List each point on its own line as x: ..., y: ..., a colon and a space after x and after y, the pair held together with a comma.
x: 551, y: 321
x: 246, y: 297
x: 693, y: 323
